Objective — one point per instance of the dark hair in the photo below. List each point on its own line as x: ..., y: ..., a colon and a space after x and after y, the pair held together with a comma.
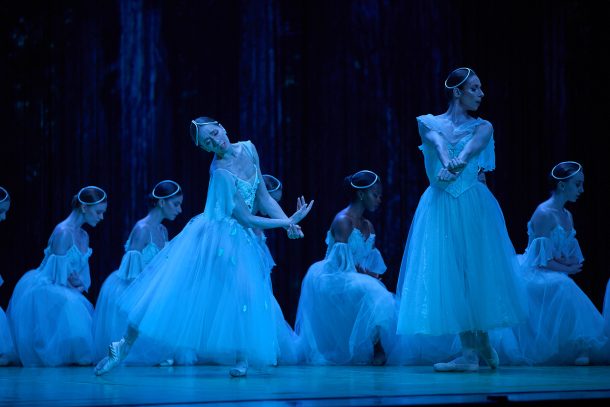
x: 4, y: 196
x: 194, y: 128
x: 89, y: 196
x: 164, y: 189
x: 457, y: 79
x: 562, y: 172
x: 360, y: 181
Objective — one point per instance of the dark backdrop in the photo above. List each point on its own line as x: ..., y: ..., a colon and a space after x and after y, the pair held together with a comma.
x: 102, y: 93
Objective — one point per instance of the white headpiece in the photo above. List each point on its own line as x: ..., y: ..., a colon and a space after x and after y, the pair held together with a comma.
x: 462, y: 81
x: 91, y: 203
x: 366, y: 186
x: 197, y: 124
x: 6, y: 196
x: 154, y: 194
x: 579, y: 168
x: 277, y: 181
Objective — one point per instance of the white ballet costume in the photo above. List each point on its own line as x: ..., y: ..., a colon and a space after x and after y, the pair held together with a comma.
x: 7, y: 349
x: 206, y: 295
x: 563, y: 324
x: 459, y: 269
x: 51, y: 320
x: 342, y: 313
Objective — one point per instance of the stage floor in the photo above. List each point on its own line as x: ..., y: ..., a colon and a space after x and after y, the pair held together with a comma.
x: 298, y: 385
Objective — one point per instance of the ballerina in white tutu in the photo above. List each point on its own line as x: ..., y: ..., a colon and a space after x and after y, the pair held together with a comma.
x: 7, y: 349
x: 458, y: 272
x: 146, y: 239
x: 207, y: 293
x: 563, y: 325
x: 346, y: 315
x: 51, y: 319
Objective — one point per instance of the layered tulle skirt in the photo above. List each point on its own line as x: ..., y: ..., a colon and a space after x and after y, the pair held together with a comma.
x: 562, y: 324
x: 51, y: 324
x: 459, y: 269
x: 7, y: 349
x: 342, y: 314
x: 206, y: 297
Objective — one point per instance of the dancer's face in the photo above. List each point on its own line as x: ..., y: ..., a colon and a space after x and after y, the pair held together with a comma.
x: 573, y: 186
x: 213, y: 138
x: 94, y: 213
x: 4, y: 207
x: 371, y: 198
x: 472, y: 94
x: 171, y: 207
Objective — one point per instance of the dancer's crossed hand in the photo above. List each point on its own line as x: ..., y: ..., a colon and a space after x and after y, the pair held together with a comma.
x: 303, y: 209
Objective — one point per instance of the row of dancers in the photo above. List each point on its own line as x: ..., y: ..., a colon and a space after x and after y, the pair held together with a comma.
x: 205, y: 296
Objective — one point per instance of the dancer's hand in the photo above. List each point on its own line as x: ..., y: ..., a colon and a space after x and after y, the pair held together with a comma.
x: 295, y: 232
x: 362, y: 270
x: 303, y: 209
x: 445, y: 175
x: 75, y: 282
x: 456, y: 165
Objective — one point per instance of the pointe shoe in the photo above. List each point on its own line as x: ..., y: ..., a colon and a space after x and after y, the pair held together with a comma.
x: 460, y: 364
x: 490, y: 356
x: 240, y: 369
x: 116, y: 353
x: 167, y: 363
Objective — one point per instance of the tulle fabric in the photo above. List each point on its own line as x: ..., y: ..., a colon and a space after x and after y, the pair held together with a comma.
x: 562, y: 323
x: 206, y: 296
x: 290, y: 348
x: 51, y: 321
x: 459, y: 269
x: 342, y: 313
x: 109, y: 323
x: 7, y: 349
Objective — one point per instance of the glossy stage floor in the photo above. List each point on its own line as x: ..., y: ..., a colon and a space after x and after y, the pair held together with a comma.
x: 302, y: 386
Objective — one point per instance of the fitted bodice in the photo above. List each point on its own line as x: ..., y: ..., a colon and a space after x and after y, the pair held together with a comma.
x: 460, y: 135
x: 359, y: 251
x: 56, y: 269
x: 359, y: 246
x: 148, y: 252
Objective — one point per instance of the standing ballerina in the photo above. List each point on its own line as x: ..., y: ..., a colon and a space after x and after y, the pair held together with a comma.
x: 458, y: 272
x: 51, y: 319
x: 346, y: 315
x: 146, y: 239
x: 7, y: 349
x: 207, y: 292
x: 563, y: 325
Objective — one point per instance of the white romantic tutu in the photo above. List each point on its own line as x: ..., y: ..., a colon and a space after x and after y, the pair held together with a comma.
x: 459, y: 269
x: 342, y: 313
x: 51, y: 321
x: 206, y: 296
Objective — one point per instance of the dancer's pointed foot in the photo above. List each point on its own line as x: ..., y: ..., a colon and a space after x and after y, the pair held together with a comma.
x: 460, y: 364
x: 116, y: 353
x: 240, y: 369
